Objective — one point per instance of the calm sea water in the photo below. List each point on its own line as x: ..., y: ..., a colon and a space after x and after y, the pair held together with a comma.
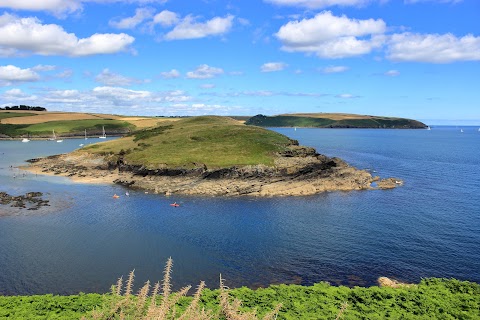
x: 430, y: 227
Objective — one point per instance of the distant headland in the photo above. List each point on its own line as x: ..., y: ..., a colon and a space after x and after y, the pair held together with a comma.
x: 334, y: 120
x: 210, y: 155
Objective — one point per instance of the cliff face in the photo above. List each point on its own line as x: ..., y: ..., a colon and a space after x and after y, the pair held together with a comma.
x: 297, y: 171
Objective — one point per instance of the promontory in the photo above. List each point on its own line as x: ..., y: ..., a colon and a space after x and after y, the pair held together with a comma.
x: 210, y: 155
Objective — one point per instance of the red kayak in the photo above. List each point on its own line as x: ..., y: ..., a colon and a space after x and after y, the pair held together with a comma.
x: 175, y: 204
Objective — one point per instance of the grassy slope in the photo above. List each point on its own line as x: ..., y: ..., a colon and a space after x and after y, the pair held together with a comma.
x: 213, y: 141
x: 321, y: 120
x: 431, y: 299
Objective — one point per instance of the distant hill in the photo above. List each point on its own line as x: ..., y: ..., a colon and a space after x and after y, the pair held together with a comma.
x: 334, y: 120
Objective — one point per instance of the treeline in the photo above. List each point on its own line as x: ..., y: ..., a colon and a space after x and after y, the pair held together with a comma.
x: 24, y: 107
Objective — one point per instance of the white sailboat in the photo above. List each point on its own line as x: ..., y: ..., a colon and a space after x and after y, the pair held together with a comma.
x: 461, y: 130
x: 103, y: 136
x: 54, y: 137
x: 26, y: 139
x: 86, y: 134
x: 428, y: 128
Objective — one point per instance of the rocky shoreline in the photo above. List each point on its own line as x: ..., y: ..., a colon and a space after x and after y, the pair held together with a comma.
x: 29, y: 201
x: 297, y: 171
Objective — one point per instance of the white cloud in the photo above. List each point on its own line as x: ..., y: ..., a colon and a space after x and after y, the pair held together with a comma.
x: 172, y: 74
x: 273, y: 66
x: 29, y: 35
x: 318, y: 4
x: 108, y: 78
x: 329, y: 36
x: 141, y: 14
x: 188, y: 28
x: 204, y: 71
x: 10, y: 74
x: 61, y: 8
x: 17, y: 95
x: 334, y: 69
x: 65, y: 74
x: 433, y: 48
x: 392, y: 73
x: 207, y: 86
x: 346, y: 96
x: 166, y: 18
x: 42, y: 67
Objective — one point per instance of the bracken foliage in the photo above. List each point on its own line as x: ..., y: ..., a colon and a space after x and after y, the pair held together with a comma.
x: 149, y: 304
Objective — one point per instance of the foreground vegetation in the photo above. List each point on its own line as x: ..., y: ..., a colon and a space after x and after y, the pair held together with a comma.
x: 431, y: 299
x: 212, y: 141
x: 320, y: 120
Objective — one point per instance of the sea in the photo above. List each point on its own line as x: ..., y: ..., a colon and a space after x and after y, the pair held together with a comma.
x: 85, y: 239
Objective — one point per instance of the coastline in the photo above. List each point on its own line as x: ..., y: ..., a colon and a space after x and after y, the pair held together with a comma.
x: 299, y: 174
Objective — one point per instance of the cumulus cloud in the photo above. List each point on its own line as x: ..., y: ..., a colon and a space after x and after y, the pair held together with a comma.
x: 433, y: 48
x: 11, y: 74
x: 334, y: 69
x: 13, y: 96
x: 204, y: 71
x: 273, y: 66
x: 29, y: 35
x: 172, y: 74
x: 392, y: 73
x: 166, y: 18
x: 318, y: 4
x: 329, y: 36
x: 141, y: 14
x: 189, y: 28
x: 61, y: 8
x: 108, y: 78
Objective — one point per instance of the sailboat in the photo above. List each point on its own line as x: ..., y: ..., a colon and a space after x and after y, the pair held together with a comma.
x: 86, y: 134
x: 461, y: 130
x: 26, y: 139
x: 54, y: 137
x: 103, y: 136
x: 428, y: 128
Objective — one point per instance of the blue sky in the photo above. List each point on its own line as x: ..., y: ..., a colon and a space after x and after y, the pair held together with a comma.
x: 408, y: 58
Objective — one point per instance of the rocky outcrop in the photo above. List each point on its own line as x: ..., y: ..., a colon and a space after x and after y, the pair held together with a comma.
x: 297, y: 171
x: 29, y: 201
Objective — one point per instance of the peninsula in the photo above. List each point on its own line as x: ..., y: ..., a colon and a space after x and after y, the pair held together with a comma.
x: 334, y: 120
x: 210, y: 155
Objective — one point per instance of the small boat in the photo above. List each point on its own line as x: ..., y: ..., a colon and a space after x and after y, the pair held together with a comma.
x: 54, y: 137
x: 25, y: 140
x: 61, y: 140
x: 103, y: 136
x: 295, y: 129
x: 428, y: 128
x: 86, y: 134
x: 80, y: 145
x: 115, y: 196
x: 127, y: 194
x: 461, y: 130
x: 174, y: 204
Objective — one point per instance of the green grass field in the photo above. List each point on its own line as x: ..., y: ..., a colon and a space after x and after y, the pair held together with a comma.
x: 4, y: 115
x: 63, y: 127
x: 213, y: 141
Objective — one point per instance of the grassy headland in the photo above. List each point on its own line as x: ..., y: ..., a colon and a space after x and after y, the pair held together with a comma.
x: 334, y: 120
x: 212, y: 141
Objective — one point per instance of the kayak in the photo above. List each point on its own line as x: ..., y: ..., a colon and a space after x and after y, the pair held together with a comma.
x: 174, y: 204
x: 115, y: 196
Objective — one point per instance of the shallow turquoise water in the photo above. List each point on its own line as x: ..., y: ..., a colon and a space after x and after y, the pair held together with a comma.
x: 430, y: 227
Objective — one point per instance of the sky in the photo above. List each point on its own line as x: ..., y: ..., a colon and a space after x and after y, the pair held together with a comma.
x: 417, y: 59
